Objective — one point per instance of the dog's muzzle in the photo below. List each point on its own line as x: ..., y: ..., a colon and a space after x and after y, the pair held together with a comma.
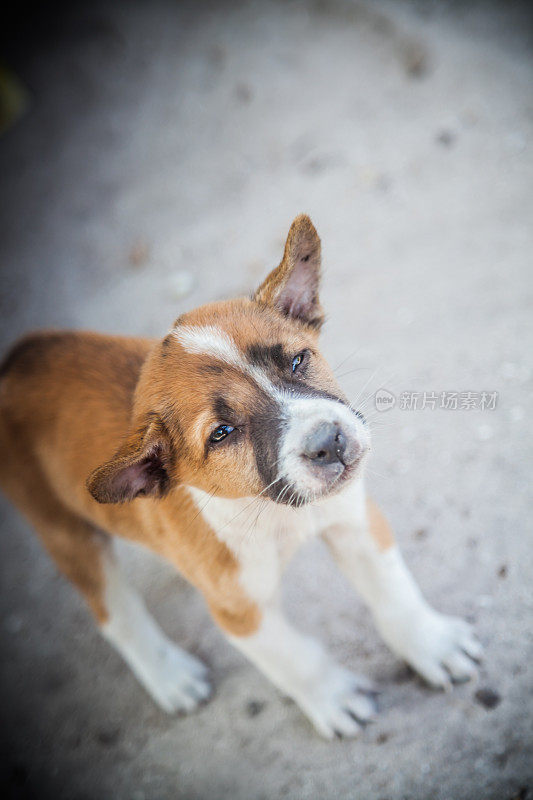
x: 324, y: 444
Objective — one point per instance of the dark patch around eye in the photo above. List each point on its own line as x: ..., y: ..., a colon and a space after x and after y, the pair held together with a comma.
x: 222, y: 410
x: 267, y: 356
x: 301, y: 388
x: 265, y: 432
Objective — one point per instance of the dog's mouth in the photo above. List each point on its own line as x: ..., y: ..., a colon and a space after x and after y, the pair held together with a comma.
x: 296, y: 495
x: 322, y: 446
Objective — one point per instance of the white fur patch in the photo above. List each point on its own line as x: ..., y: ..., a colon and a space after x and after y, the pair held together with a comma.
x: 209, y: 340
x: 263, y: 535
x: 175, y: 679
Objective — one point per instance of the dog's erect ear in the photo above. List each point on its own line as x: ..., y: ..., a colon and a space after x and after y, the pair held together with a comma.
x: 292, y: 287
x: 140, y: 467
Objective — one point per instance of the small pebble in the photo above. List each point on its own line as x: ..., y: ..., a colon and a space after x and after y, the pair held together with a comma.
x: 488, y: 698
x: 139, y: 254
x: 217, y: 55
x: 446, y: 138
x: 254, y: 707
x: 108, y: 736
x: 415, y: 59
x: 55, y: 682
x: 243, y: 93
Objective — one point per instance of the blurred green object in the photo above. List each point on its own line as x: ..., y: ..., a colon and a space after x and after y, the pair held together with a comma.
x: 14, y: 99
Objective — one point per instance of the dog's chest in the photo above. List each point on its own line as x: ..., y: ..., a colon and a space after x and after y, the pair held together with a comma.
x: 263, y: 536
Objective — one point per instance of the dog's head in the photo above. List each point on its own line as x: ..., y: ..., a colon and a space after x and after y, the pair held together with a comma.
x: 237, y: 399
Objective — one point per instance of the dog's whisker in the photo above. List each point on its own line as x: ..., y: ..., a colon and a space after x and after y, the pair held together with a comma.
x: 201, y: 509
x: 351, y: 371
x: 347, y: 358
x: 254, y: 500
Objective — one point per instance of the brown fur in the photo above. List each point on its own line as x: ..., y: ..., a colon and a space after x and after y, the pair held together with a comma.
x: 379, y: 527
x: 65, y: 402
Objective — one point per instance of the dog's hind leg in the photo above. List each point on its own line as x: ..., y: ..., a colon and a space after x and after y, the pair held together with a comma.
x: 175, y: 679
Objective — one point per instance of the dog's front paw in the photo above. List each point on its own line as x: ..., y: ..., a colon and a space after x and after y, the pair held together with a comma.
x: 338, y: 703
x: 440, y: 648
x: 176, y: 680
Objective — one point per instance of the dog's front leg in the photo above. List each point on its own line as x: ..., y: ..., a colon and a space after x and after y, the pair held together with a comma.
x: 334, y: 699
x: 438, y: 647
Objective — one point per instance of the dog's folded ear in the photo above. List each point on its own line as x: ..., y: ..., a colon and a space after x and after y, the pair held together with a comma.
x: 141, y: 466
x: 293, y: 286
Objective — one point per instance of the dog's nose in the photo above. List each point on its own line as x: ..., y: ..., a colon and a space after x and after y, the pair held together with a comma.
x: 326, y: 444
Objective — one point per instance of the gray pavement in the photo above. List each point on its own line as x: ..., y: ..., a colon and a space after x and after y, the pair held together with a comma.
x: 166, y: 149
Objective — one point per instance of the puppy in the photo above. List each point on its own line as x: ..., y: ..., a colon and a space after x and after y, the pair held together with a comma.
x: 221, y: 447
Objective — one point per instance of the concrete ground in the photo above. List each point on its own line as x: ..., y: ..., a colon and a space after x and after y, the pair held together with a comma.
x: 164, y: 153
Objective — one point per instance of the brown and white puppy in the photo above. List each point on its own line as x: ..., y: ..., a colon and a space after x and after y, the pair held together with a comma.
x: 222, y: 448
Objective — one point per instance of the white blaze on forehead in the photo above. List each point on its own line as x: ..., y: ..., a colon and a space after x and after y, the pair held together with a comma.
x: 212, y: 341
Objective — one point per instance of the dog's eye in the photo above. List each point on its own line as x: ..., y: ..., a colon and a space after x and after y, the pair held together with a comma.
x: 297, y: 361
x: 220, y: 433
